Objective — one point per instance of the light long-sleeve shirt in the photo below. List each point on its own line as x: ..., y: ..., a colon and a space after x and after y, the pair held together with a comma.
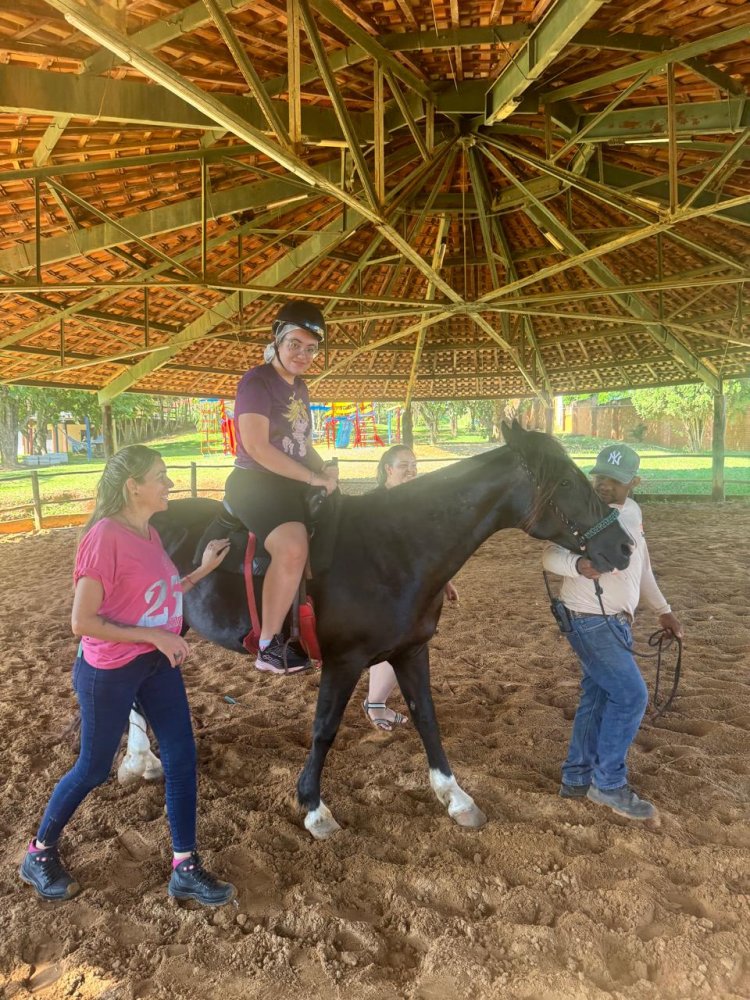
x: 622, y: 589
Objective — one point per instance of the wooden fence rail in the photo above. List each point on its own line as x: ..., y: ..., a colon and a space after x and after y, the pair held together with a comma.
x: 36, y: 503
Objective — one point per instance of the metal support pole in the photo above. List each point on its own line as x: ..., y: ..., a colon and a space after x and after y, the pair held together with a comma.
x: 241, y: 296
x: 62, y: 342
x: 146, y: 320
x: 37, y: 498
x: 193, y: 479
x: 429, y: 127
x: 203, y: 218
x: 660, y: 271
x: 37, y: 232
x: 717, y: 446
x: 379, y: 150
x: 293, y: 72
x: 672, y: 137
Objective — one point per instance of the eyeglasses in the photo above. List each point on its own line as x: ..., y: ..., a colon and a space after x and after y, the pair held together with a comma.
x: 296, y: 347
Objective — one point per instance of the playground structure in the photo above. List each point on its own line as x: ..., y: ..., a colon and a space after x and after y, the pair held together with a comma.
x: 351, y: 425
x: 59, y: 441
x: 216, y: 424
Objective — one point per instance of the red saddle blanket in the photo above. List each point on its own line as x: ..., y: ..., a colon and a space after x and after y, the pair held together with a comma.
x: 308, y: 636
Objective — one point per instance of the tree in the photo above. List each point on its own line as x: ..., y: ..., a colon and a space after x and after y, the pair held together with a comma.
x: 432, y: 412
x: 691, y: 405
x: 480, y: 413
x: 456, y: 408
x: 9, y: 426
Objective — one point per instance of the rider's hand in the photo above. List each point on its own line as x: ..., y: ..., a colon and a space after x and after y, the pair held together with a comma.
x: 213, y: 554
x: 671, y: 625
x: 324, y: 480
x: 451, y: 594
x: 173, y: 646
x: 331, y: 469
x: 586, y: 568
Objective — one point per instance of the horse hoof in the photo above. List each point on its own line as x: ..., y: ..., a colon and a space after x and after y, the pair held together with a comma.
x: 471, y: 819
x: 320, y: 823
x: 127, y: 777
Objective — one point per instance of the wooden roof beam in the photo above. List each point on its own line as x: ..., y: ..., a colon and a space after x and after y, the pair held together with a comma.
x: 215, y: 109
x: 437, y: 258
x: 159, y: 33
x: 548, y: 221
x: 649, y: 125
x: 372, y: 46
x: 657, y: 64
x: 41, y: 92
x: 483, y: 193
x: 557, y: 27
x: 313, y: 247
x: 253, y: 80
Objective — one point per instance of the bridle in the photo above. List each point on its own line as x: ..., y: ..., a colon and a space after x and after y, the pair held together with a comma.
x: 582, y: 537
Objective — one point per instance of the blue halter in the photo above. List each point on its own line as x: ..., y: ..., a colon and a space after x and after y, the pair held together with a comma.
x: 582, y: 537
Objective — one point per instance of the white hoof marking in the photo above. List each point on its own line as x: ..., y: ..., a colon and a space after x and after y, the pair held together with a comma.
x: 461, y: 807
x: 320, y: 822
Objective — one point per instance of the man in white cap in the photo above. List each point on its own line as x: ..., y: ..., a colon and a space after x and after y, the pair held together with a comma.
x: 613, y: 693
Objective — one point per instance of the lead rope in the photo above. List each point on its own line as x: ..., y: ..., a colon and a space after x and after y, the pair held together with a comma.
x: 657, y: 639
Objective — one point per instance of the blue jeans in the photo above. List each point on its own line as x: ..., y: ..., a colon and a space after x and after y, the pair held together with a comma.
x: 106, y: 697
x: 613, y: 699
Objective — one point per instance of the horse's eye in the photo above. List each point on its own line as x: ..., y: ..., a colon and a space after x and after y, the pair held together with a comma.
x: 564, y: 484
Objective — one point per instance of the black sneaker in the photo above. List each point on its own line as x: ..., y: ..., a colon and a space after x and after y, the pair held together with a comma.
x: 281, y: 657
x: 190, y: 880
x: 573, y: 791
x: 623, y: 801
x: 44, y: 870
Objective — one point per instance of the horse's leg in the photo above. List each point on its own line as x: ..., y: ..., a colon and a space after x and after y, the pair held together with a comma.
x: 413, y: 674
x: 336, y: 685
x: 139, y: 761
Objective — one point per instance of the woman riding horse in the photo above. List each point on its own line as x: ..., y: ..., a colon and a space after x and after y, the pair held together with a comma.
x: 275, y: 465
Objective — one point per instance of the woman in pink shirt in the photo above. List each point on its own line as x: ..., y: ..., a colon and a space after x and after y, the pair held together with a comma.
x: 128, y: 609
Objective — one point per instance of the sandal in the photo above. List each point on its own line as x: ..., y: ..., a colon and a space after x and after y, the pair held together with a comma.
x: 386, y: 725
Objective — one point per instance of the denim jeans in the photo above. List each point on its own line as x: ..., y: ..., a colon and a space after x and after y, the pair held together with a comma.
x: 613, y: 699
x: 105, y: 698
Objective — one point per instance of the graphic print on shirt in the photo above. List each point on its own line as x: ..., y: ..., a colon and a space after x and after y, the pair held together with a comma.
x: 299, y: 421
x: 159, y: 597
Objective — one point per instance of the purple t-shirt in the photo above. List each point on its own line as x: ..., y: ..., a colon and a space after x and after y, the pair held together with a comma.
x: 262, y: 390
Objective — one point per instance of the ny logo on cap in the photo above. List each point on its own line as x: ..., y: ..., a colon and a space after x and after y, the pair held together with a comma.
x: 614, y: 457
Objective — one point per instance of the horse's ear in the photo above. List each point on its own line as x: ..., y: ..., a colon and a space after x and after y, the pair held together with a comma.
x: 513, y: 432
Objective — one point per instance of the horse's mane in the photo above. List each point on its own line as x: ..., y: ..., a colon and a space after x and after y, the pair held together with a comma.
x: 543, y: 454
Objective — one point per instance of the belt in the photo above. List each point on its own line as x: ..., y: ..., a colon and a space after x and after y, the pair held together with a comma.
x: 621, y: 616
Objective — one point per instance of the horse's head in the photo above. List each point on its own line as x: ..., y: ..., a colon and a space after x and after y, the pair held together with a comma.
x: 561, y: 504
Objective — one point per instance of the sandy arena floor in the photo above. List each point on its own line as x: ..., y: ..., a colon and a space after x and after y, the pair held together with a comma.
x: 553, y: 900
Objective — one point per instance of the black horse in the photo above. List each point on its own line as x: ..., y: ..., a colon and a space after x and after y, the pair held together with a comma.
x: 380, y: 564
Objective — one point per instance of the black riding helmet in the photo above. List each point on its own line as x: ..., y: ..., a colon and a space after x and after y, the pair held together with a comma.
x: 302, y: 314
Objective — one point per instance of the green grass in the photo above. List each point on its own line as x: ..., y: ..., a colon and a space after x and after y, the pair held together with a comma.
x: 69, y: 488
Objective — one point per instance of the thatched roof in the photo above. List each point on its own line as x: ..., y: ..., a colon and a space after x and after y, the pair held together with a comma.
x: 490, y: 197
